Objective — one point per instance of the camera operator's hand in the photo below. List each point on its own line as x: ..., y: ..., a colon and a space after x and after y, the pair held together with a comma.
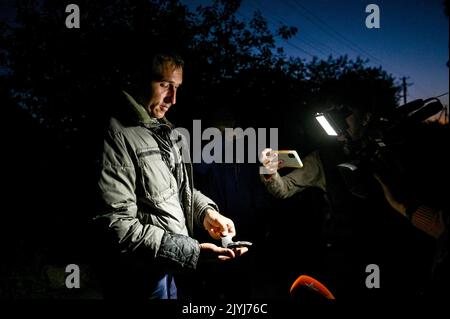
x: 393, y: 200
x: 269, y: 159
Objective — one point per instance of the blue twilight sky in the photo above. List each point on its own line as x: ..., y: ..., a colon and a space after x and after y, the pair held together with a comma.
x: 412, y: 41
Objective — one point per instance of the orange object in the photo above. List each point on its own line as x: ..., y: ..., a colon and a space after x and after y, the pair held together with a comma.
x: 311, y: 284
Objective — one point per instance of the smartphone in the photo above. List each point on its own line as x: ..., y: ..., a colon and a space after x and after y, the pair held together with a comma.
x: 290, y: 158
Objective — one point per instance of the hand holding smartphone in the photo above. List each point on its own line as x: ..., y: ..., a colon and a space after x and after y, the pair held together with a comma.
x: 289, y: 158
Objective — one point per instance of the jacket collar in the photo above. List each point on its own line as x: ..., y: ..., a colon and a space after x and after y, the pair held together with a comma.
x: 141, y: 115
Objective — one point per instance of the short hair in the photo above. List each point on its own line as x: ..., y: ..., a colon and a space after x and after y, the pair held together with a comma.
x: 143, y: 68
x: 161, y: 58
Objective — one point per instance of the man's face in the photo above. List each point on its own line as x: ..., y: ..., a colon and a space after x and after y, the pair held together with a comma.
x: 355, y: 122
x: 164, y: 91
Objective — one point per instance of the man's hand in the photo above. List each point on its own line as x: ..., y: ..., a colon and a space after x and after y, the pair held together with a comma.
x: 270, y: 161
x: 211, y: 252
x: 218, y: 225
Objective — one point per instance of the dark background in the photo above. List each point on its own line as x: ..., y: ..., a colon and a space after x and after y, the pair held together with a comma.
x: 56, y: 88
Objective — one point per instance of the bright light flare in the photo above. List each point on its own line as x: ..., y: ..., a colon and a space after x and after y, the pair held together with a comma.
x: 326, y: 125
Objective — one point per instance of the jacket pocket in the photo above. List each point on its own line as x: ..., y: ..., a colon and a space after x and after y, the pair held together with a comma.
x: 156, y: 179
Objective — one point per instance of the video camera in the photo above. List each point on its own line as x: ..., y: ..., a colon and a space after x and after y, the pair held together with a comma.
x: 380, y: 143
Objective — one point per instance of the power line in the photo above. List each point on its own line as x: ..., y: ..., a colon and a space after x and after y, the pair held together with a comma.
x: 337, y: 33
x: 271, y: 21
x: 312, y: 42
x: 310, y: 17
x: 275, y: 19
x: 299, y: 48
x: 350, y: 44
x: 327, y: 47
x: 311, y: 45
x: 442, y: 94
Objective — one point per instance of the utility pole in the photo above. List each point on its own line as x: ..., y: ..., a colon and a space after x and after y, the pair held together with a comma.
x: 404, y: 90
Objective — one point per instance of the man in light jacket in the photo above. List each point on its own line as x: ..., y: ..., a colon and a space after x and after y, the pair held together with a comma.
x: 149, y: 205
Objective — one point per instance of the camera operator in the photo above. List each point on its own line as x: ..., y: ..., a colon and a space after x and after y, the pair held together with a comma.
x: 346, y: 219
x: 357, y: 210
x: 342, y: 168
x: 425, y: 205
